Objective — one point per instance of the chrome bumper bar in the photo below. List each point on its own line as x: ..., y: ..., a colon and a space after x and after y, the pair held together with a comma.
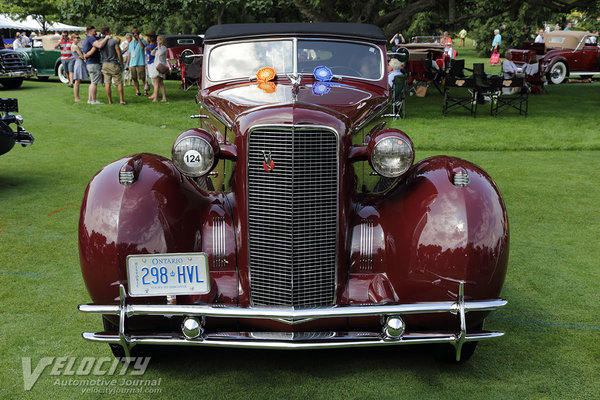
x: 393, y: 330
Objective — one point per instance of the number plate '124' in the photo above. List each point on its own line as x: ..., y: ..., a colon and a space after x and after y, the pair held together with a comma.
x: 168, y: 274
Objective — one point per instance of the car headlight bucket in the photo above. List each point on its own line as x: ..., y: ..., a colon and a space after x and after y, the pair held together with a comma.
x: 391, y: 153
x: 195, y: 153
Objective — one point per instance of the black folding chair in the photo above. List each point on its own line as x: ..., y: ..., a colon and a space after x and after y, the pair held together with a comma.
x: 459, y: 93
x: 517, y: 98
x: 486, y: 86
x: 399, y: 96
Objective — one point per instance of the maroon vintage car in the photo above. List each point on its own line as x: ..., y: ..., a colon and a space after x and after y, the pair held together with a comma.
x: 294, y: 216
x: 562, y: 54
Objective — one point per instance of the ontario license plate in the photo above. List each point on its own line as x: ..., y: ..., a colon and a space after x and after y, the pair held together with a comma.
x: 168, y: 274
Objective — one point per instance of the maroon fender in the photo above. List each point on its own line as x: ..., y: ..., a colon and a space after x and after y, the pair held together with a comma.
x: 427, y: 234
x: 162, y: 211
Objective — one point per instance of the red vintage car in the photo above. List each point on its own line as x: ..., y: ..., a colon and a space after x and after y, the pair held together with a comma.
x: 176, y: 45
x: 562, y: 54
x: 294, y: 216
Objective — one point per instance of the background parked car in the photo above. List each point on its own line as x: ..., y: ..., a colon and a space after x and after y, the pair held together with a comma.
x: 44, y: 57
x: 562, y: 54
x: 176, y: 44
x: 13, y: 68
x: 9, y: 136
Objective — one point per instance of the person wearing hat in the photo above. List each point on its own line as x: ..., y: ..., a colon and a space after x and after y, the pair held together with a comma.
x: 137, y: 60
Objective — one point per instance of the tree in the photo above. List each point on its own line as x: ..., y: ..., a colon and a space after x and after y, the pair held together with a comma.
x: 43, y: 11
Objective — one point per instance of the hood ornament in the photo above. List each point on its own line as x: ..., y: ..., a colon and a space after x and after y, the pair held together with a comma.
x: 268, y: 163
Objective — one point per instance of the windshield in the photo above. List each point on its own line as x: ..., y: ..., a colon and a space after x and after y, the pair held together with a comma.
x: 237, y: 60
x: 346, y: 59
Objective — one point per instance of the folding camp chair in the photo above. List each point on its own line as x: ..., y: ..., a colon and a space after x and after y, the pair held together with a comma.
x: 399, y: 96
x: 486, y: 86
x: 518, y: 98
x: 190, y: 73
x: 459, y: 93
x: 459, y: 89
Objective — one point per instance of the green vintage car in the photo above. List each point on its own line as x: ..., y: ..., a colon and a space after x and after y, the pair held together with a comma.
x: 45, y: 58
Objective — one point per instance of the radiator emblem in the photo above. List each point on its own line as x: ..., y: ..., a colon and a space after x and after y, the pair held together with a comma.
x: 268, y: 163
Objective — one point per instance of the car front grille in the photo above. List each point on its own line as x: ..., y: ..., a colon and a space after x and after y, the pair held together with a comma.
x: 292, y: 216
x: 12, y: 62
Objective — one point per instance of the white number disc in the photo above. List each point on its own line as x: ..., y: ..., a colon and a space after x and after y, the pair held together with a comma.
x: 192, y: 158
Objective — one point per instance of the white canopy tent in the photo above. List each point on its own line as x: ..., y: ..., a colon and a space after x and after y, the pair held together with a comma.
x: 8, y: 23
x: 30, y: 24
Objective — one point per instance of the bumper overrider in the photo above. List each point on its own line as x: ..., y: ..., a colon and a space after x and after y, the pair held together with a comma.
x: 393, y: 330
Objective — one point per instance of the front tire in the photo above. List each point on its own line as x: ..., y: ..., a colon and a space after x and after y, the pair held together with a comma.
x: 558, y: 73
x: 11, y: 84
x: 60, y: 72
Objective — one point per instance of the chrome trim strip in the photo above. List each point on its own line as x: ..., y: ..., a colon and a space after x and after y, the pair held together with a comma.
x: 366, y: 244
x: 212, y: 112
x: 290, y: 316
x: 358, y: 339
x: 218, y: 243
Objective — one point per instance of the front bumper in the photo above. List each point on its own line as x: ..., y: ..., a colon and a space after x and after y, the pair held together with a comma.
x: 392, y: 332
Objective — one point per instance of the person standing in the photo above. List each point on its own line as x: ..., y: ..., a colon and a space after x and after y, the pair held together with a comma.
x: 160, y: 59
x: 397, y: 41
x: 446, y: 41
x: 125, y: 53
x: 79, y: 70
x: 112, y: 62
x: 66, y: 55
x: 92, y: 64
x: 540, y: 36
x: 151, y: 35
x: 462, y: 35
x: 497, y: 41
x: 569, y: 26
x: 17, y: 44
x: 137, y: 63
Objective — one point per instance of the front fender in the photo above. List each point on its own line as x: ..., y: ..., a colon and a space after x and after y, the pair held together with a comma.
x: 161, y: 212
x: 428, y: 234
x: 550, y: 61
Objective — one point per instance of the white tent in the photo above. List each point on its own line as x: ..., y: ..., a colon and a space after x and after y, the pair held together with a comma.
x: 8, y: 23
x: 30, y: 24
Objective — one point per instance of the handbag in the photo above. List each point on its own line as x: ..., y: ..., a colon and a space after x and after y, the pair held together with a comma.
x: 495, y: 58
x: 162, y: 69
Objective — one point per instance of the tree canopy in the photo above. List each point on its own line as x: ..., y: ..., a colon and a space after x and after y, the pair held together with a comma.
x: 516, y: 19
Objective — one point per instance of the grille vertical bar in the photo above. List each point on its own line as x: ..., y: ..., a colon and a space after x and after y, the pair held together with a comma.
x: 292, y: 216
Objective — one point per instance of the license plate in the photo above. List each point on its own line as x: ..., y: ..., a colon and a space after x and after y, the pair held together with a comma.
x: 168, y: 274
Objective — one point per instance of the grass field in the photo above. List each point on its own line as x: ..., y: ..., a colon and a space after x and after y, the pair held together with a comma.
x: 546, y: 165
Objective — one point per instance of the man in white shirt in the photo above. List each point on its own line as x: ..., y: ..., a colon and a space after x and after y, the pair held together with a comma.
x: 540, y: 37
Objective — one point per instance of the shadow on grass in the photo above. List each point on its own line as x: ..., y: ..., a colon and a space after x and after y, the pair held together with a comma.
x: 325, y: 362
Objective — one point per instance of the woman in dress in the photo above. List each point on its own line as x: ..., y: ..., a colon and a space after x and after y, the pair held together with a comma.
x: 79, y: 69
x: 160, y: 58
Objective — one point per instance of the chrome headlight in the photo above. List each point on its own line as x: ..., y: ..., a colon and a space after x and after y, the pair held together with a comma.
x: 194, y: 153
x: 392, y: 153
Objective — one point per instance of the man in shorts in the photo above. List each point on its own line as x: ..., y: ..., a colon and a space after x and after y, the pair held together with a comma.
x: 137, y: 60
x: 112, y: 63
x: 66, y: 56
x: 92, y: 64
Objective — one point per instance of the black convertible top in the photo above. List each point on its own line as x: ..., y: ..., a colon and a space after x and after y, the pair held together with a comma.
x: 219, y: 33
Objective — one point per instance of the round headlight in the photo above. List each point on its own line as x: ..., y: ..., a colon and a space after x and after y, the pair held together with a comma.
x: 193, y: 156
x: 392, y: 156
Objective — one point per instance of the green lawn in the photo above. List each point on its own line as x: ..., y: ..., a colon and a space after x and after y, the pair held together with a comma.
x: 546, y: 165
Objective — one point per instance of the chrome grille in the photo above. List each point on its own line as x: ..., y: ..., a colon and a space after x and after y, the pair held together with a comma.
x: 12, y: 62
x: 292, y: 216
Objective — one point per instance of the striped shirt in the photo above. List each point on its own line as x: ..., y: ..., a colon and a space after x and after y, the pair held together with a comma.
x: 65, y: 50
